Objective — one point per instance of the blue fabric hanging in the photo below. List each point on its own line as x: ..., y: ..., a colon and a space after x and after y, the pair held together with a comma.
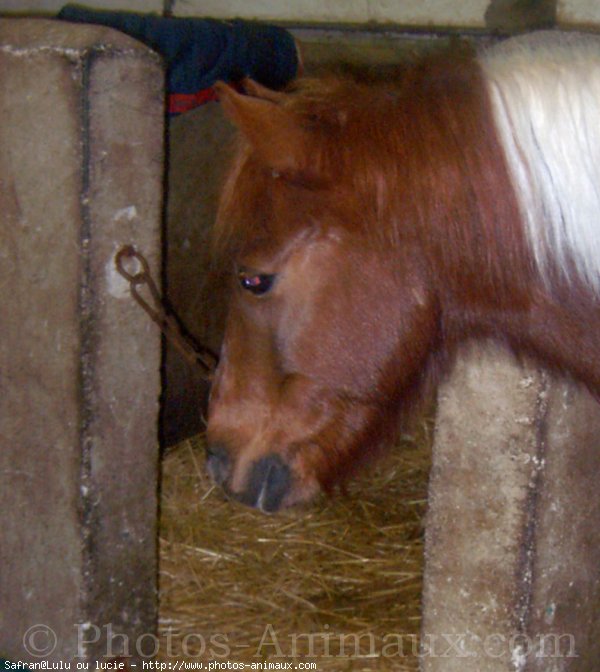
x: 199, y: 52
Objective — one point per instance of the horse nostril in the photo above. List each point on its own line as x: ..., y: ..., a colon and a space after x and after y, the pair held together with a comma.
x: 270, y: 480
x: 217, y: 462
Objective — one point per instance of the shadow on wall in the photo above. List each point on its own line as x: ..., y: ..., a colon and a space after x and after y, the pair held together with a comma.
x: 200, y: 144
x: 509, y: 16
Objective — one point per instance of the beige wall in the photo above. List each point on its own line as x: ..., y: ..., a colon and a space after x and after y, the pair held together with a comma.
x: 411, y: 12
x: 467, y: 13
x: 52, y: 6
x: 579, y: 12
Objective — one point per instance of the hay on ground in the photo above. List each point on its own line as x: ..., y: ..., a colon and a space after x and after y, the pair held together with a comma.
x: 338, y: 582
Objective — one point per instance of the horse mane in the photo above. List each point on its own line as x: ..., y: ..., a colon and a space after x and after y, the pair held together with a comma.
x: 545, y: 92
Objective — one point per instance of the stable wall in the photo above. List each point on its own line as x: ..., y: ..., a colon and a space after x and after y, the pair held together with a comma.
x: 81, y: 168
x: 418, y: 13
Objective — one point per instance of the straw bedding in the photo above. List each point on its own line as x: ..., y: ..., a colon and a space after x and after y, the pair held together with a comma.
x: 337, y: 582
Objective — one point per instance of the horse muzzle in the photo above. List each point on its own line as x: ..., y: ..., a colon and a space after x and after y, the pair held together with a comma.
x: 268, y: 482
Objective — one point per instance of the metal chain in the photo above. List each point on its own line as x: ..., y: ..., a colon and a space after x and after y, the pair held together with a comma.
x: 195, y: 354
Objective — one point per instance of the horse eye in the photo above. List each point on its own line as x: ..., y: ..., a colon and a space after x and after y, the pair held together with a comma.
x: 256, y: 283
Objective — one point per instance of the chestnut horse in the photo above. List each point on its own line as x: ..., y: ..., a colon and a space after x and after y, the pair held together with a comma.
x: 372, y: 227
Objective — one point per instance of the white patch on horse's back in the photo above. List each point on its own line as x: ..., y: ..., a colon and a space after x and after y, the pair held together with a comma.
x: 545, y: 91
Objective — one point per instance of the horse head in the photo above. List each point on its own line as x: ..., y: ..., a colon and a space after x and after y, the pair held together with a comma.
x: 330, y: 316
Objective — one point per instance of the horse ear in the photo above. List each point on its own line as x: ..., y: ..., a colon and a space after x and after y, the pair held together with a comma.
x: 274, y: 132
x: 257, y: 90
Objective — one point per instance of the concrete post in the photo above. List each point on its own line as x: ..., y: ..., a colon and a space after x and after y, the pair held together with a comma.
x: 512, y: 579
x: 81, y: 163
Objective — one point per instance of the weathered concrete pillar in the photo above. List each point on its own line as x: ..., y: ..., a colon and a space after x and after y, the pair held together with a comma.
x: 81, y: 162
x: 512, y: 579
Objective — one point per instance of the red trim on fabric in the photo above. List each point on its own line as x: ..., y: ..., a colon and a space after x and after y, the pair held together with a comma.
x: 184, y: 102
x: 178, y: 103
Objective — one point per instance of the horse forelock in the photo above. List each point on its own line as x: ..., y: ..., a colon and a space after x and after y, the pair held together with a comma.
x: 349, y: 155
